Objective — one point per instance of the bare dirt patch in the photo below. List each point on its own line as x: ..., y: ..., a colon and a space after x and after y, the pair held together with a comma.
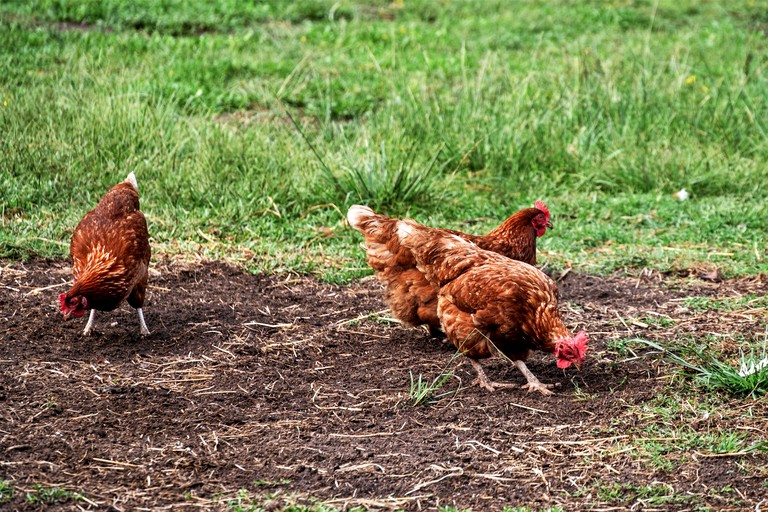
x: 290, y: 388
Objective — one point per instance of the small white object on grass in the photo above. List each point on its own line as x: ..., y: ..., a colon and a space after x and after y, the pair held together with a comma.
x: 753, y: 368
x: 681, y: 194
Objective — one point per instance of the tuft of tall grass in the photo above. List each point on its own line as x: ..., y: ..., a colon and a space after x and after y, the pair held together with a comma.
x: 423, y: 391
x: 385, y: 181
x: 749, y: 378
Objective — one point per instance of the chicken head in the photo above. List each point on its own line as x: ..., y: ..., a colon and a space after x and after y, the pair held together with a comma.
x: 541, y: 221
x: 570, y: 351
x: 74, y: 306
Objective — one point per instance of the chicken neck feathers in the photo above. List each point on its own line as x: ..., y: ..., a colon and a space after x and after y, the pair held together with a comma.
x: 514, y: 238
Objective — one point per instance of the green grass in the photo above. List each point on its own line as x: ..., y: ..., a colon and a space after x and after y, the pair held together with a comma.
x: 659, y: 320
x: 681, y: 425
x: 423, y: 391
x: 6, y: 491
x: 528, y: 509
x: 746, y: 376
x: 42, y: 495
x: 748, y: 302
x: 445, y: 111
x: 653, y: 495
x: 648, y: 495
x: 245, y: 501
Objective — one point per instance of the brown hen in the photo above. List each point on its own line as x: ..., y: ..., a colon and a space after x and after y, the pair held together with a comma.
x: 486, y: 301
x: 110, y: 256
x: 411, y: 298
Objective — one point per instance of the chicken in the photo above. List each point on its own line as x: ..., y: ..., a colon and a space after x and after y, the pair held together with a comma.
x: 110, y: 256
x: 411, y: 298
x: 488, y: 301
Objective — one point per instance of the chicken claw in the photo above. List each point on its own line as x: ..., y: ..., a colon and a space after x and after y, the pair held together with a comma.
x: 540, y: 387
x: 533, y: 384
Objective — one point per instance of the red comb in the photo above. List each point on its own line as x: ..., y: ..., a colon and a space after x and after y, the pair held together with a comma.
x: 539, y: 205
x: 581, y: 339
x: 63, y: 300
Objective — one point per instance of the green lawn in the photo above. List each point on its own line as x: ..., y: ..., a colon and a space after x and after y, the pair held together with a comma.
x: 447, y: 111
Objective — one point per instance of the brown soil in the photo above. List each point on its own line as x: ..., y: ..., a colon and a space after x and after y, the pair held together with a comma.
x: 290, y: 388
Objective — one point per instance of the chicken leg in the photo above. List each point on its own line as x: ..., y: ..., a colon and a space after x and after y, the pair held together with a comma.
x: 533, y: 382
x: 483, y: 381
x: 144, y: 330
x: 89, y: 325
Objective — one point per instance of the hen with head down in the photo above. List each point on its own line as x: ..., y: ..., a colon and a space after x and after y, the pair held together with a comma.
x: 110, y: 257
x: 487, y: 302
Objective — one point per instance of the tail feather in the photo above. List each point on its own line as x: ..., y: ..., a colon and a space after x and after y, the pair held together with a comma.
x: 375, y: 227
x: 382, y: 247
x: 132, y: 180
x: 359, y: 217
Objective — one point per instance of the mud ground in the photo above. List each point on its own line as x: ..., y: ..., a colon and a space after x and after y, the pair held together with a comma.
x: 282, y: 388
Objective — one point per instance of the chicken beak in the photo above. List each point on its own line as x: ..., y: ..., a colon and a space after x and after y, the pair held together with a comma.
x: 550, y: 225
x: 67, y: 315
x: 577, y: 365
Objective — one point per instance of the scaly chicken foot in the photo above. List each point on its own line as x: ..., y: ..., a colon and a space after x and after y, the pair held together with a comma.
x: 483, y: 381
x: 533, y: 384
x: 89, y: 326
x: 144, y: 330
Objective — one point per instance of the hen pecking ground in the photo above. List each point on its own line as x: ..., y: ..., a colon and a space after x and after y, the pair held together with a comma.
x: 274, y: 390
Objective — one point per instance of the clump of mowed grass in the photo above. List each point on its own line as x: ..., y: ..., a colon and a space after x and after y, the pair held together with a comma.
x: 43, y: 495
x: 247, y: 501
x: 466, y: 112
